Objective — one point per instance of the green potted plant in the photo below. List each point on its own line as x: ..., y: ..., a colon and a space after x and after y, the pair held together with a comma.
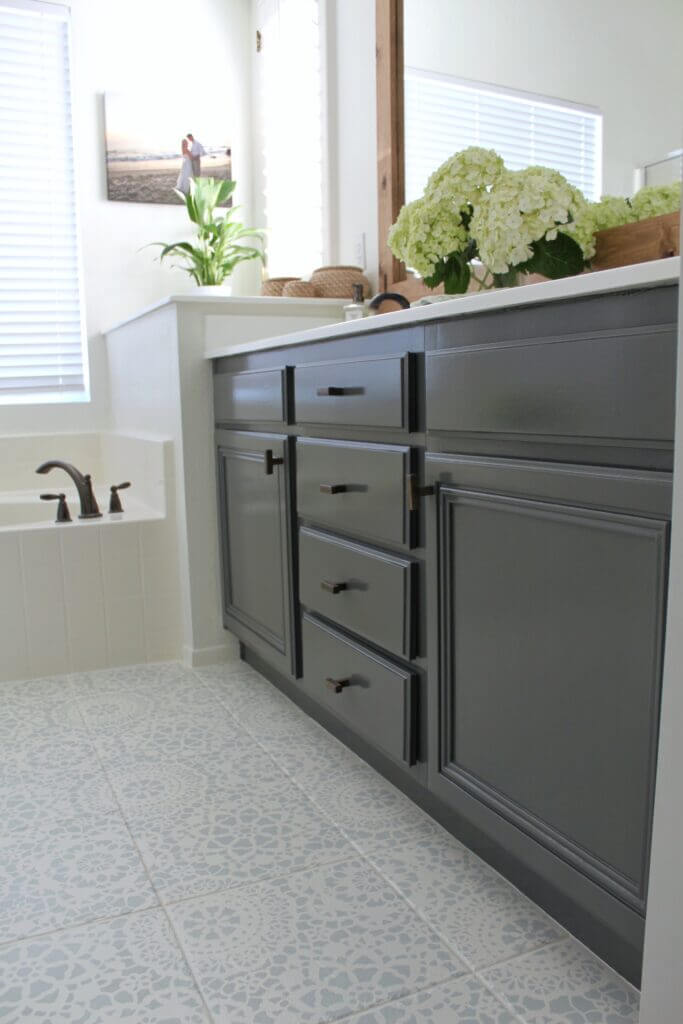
x: 218, y: 247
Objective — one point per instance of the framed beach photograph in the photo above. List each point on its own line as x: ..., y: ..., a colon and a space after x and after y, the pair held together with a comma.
x: 156, y: 144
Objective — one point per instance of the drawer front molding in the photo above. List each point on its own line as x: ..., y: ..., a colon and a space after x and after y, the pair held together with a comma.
x: 251, y: 395
x: 355, y: 393
x: 366, y: 591
x: 356, y: 488
x: 373, y: 695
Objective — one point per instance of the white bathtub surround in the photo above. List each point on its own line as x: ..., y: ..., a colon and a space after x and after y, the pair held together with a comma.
x: 86, y: 594
x: 160, y: 384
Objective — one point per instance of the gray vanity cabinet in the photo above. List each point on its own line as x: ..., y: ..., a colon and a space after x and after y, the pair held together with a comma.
x: 550, y: 584
x: 255, y: 539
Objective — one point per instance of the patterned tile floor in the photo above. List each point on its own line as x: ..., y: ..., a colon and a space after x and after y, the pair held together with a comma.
x: 187, y: 846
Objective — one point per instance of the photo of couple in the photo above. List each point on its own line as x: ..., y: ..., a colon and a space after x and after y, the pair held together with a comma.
x: 145, y: 160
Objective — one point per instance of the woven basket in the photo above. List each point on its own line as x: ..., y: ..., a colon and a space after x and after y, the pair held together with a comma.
x: 338, y: 282
x: 274, y: 285
x: 300, y: 289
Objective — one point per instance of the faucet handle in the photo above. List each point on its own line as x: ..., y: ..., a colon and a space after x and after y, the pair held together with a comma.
x: 114, y: 500
x: 63, y: 514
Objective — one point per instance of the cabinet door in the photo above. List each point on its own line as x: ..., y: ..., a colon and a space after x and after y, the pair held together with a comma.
x: 550, y: 590
x: 255, y: 534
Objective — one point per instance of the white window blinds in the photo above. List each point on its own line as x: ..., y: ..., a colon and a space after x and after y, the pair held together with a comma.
x: 445, y: 114
x: 42, y: 350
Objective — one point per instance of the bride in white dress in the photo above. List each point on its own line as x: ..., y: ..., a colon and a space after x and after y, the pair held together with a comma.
x: 183, y: 182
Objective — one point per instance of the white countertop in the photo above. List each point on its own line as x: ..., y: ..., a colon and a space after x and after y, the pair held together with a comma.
x: 640, y: 275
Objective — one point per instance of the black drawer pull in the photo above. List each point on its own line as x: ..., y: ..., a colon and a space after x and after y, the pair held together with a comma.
x: 331, y: 587
x: 336, y: 685
x: 331, y: 392
x: 269, y: 461
x: 332, y: 488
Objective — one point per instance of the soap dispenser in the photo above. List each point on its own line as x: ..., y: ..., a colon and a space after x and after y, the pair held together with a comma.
x: 356, y: 310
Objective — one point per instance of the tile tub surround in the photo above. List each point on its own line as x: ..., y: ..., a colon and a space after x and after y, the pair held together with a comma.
x: 182, y: 881
x: 94, y: 594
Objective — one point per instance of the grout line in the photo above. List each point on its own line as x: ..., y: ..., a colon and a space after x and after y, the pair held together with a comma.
x: 361, y: 1011
x: 87, y: 923
x: 153, y: 887
x: 385, y: 878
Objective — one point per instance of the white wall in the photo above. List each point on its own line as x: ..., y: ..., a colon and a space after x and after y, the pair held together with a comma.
x: 662, y: 992
x: 622, y: 56
x: 142, y: 47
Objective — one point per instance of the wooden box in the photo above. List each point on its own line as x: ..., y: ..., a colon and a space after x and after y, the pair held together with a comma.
x: 650, y: 239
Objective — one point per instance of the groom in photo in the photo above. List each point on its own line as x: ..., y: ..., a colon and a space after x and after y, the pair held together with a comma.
x: 196, y: 153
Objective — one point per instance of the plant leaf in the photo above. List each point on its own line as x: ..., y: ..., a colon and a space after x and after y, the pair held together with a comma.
x: 560, y: 258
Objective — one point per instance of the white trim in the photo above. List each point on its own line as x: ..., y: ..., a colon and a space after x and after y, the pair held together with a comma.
x: 198, y: 657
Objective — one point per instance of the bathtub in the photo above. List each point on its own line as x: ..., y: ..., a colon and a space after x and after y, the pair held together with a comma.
x: 92, y: 593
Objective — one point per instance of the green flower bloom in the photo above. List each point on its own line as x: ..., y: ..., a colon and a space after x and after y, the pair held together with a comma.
x: 522, y: 207
x: 655, y: 200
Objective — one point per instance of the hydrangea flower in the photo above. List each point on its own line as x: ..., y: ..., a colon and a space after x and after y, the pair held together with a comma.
x: 522, y: 208
x: 465, y: 176
x: 426, y: 232
x: 655, y: 200
x: 610, y: 212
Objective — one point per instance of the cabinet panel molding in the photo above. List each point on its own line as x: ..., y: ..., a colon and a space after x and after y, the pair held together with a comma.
x: 551, y: 627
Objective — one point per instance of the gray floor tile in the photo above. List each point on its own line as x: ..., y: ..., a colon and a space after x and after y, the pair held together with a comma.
x: 364, y: 805
x: 128, y: 677
x: 171, y: 783
x: 48, y: 690
x: 68, y: 872
x: 480, y: 914
x: 564, y: 984
x: 31, y: 795
x: 240, y: 836
x: 462, y: 1001
x: 310, y: 948
x: 128, y: 969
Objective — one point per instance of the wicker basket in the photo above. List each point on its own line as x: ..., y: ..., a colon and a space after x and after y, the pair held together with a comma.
x: 274, y: 285
x: 300, y: 290
x: 338, y: 282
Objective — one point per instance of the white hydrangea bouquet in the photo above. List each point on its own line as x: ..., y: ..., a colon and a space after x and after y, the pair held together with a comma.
x: 478, y: 218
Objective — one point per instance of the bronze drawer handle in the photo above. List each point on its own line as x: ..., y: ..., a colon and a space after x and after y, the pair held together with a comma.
x: 331, y: 392
x: 415, y: 492
x: 331, y: 587
x: 336, y: 685
x: 269, y: 461
x: 332, y: 488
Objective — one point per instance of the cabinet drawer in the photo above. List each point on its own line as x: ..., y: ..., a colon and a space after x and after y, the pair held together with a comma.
x: 605, y: 385
x: 360, y: 393
x: 355, y: 488
x: 258, y: 395
x: 375, y: 697
x: 366, y: 591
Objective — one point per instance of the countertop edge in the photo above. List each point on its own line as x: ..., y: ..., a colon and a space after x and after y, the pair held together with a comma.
x: 640, y: 275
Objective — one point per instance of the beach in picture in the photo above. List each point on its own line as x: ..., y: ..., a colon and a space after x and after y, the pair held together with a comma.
x: 154, y: 145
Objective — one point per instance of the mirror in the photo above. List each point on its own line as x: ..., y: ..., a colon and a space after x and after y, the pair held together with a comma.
x: 593, y: 90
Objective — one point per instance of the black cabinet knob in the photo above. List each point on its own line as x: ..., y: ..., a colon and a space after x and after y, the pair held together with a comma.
x: 330, y: 392
x: 336, y: 685
x: 331, y: 587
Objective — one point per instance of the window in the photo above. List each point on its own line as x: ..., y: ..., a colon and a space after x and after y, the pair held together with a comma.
x: 291, y: 144
x: 43, y: 356
x: 445, y: 114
